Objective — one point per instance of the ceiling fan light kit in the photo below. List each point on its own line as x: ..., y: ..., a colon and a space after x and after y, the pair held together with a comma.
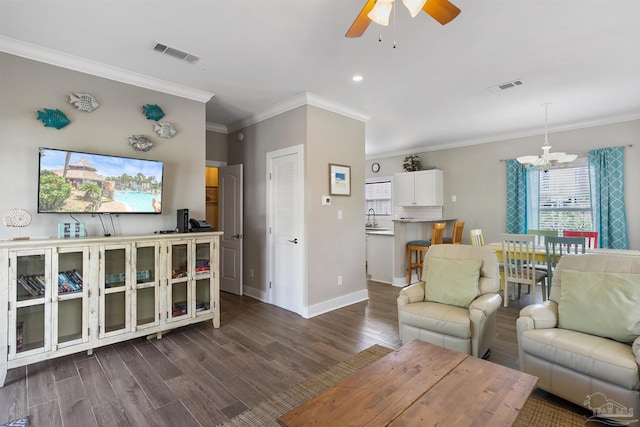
x: 381, y: 11
x: 414, y: 6
x: 378, y: 11
x: 547, y: 160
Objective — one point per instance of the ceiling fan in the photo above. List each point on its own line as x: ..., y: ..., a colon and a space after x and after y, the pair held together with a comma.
x: 378, y: 11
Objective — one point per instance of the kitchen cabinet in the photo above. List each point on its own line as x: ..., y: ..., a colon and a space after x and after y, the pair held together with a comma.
x: 70, y: 295
x: 421, y: 188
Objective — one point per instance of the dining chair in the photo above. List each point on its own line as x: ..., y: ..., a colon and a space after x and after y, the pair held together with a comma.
x: 416, y: 249
x: 456, y: 235
x: 541, y: 235
x: 518, y: 252
x: 558, y: 246
x: 591, y: 236
x: 476, y: 237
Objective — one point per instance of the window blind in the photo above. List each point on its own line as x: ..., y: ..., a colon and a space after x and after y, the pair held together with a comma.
x: 565, y: 199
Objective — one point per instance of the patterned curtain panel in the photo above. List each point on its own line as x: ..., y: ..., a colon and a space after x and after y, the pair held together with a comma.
x: 516, y: 197
x: 606, y: 170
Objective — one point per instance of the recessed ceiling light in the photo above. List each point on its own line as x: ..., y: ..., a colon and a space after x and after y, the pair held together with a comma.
x: 357, y: 78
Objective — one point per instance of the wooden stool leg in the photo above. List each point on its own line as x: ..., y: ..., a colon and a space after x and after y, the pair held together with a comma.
x: 408, y: 265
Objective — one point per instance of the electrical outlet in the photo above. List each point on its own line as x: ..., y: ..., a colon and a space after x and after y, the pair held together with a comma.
x: 339, y: 280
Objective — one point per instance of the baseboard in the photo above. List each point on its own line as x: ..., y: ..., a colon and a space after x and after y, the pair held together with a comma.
x: 334, y: 304
x: 258, y: 294
x: 401, y: 282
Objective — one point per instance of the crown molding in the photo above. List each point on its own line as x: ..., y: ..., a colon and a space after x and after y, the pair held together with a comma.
x: 506, y: 137
x: 75, y: 63
x: 216, y: 127
x: 305, y: 98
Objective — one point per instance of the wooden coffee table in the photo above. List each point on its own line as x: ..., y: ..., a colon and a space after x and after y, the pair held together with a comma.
x: 420, y: 384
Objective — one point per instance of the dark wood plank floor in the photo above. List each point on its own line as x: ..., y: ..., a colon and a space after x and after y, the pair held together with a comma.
x: 200, y: 376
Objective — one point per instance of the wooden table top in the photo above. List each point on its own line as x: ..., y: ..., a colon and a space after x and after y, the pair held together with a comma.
x: 420, y: 384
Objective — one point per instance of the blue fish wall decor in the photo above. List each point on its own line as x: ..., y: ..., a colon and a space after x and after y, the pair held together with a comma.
x: 153, y: 112
x: 53, y: 118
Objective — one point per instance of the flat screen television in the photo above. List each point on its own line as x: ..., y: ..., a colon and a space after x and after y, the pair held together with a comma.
x: 75, y: 182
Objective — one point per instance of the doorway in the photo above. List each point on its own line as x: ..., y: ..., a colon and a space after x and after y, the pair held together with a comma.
x: 230, y: 220
x: 285, y: 228
x: 211, y: 196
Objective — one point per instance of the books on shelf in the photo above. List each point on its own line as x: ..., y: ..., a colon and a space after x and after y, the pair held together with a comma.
x: 33, y: 284
x: 19, y: 335
x: 203, y: 266
x: 69, y: 281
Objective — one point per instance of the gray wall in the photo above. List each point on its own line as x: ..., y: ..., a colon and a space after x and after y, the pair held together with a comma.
x: 217, y: 146
x: 27, y: 86
x: 476, y: 174
x: 333, y: 247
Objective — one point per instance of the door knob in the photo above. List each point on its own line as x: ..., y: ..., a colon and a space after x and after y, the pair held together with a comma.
x: 295, y: 241
x: 238, y: 236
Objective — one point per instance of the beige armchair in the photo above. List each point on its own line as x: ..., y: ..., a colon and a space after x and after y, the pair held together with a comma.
x: 456, y: 307
x: 584, y: 341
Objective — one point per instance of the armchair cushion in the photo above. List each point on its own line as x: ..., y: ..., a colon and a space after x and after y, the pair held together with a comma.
x: 587, y: 299
x: 452, y: 281
x: 596, y: 357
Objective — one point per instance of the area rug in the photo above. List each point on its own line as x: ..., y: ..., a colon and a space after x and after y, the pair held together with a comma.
x: 537, y: 411
x: 22, y: 422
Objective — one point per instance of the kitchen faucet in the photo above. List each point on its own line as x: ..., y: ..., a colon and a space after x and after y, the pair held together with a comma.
x: 369, y: 224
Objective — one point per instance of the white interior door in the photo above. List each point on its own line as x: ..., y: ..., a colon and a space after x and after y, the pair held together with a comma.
x: 230, y: 220
x: 285, y: 228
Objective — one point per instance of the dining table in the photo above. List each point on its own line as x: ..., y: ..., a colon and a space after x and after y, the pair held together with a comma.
x: 540, y: 255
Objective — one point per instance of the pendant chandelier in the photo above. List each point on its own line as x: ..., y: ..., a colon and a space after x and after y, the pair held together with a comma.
x: 547, y: 160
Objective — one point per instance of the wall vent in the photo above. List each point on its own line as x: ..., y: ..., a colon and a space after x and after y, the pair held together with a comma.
x: 506, y: 85
x: 176, y: 53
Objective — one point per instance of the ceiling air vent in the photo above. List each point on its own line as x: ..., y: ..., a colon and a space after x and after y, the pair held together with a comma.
x: 176, y: 53
x: 506, y: 85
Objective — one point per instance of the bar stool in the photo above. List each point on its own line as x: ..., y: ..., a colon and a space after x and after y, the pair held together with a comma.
x: 419, y: 248
x: 456, y: 236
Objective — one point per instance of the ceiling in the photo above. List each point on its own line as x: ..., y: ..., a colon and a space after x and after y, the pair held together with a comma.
x: 431, y: 91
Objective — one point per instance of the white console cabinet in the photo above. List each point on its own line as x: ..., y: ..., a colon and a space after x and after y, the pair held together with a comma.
x: 421, y: 188
x: 70, y: 295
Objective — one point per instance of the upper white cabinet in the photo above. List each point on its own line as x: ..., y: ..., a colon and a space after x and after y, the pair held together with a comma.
x: 421, y: 188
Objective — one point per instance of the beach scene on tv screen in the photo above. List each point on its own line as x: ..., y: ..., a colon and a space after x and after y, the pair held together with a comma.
x: 83, y: 182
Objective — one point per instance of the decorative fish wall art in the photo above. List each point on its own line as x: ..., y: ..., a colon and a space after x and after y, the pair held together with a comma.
x: 140, y: 142
x: 53, y: 118
x: 153, y: 112
x: 83, y: 102
x: 164, y: 129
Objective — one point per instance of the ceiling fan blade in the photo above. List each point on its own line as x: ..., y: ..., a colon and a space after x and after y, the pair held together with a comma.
x: 442, y: 11
x: 528, y: 159
x: 362, y: 21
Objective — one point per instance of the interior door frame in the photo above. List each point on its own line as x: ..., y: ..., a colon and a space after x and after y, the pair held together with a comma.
x: 270, y: 273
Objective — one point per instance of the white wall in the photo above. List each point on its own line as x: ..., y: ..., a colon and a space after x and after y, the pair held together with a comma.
x: 476, y: 174
x: 27, y: 86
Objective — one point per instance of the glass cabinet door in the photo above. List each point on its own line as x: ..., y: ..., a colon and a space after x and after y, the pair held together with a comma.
x: 179, y: 295
x: 70, y: 296
x: 29, y: 309
x: 203, y: 277
x: 145, y: 302
x: 114, y: 285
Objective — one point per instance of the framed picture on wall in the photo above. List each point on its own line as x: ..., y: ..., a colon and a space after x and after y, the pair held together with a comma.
x: 339, y: 180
